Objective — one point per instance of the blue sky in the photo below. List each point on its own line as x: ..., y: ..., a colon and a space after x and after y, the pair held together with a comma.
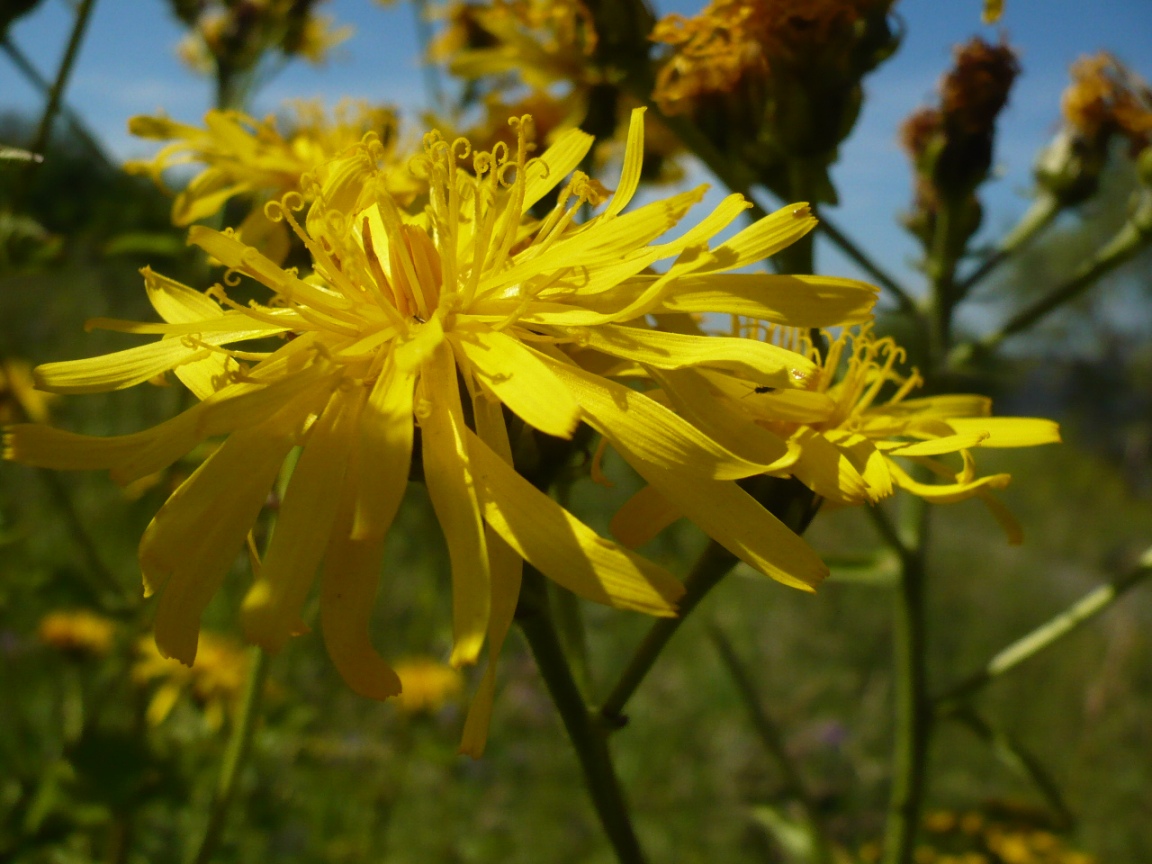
x: 128, y: 66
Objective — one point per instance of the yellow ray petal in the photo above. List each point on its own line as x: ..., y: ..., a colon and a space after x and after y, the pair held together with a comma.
x: 133, y: 366
x: 1010, y: 431
x: 348, y: 586
x: 796, y: 301
x: 652, y: 431
x: 193, y: 540
x: 451, y: 486
x: 554, y: 164
x: 271, y: 609
x: 725, y: 421
x: 385, y: 451
x: 734, y: 519
x: 946, y: 493
x: 764, y: 238
x: 565, y: 549
x: 633, y: 160
x: 825, y: 470
x: 521, y: 382
x: 760, y: 363
x: 506, y: 569
x: 937, y: 446
x: 642, y: 517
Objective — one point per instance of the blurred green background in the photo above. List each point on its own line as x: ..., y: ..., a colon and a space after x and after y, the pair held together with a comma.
x: 89, y: 770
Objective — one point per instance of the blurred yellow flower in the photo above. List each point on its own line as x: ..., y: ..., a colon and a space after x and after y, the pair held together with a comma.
x: 19, y: 398
x: 428, y: 685
x: 847, y: 428
x: 214, y: 681
x: 541, y: 42
x: 264, y: 159
x: 376, y: 343
x: 229, y: 38
x: 77, y: 631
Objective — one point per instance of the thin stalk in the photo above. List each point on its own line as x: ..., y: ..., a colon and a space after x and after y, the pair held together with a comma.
x: 589, y: 737
x: 83, y: 14
x: 913, y: 708
x: 790, y: 502
x: 1021, y: 761
x: 846, y: 245
x: 1083, y: 610
x: 109, y: 593
x: 773, y: 741
x: 710, y: 569
x: 235, y: 755
x: 75, y: 122
x: 942, y: 260
x: 1043, y: 210
x: 1136, y: 233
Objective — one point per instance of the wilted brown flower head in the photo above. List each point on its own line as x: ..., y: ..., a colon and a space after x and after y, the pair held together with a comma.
x: 951, y: 145
x: 729, y: 39
x: 776, y: 83
x: 1106, y: 98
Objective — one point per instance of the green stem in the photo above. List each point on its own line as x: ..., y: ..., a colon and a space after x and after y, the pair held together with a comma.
x: 789, y: 501
x: 1056, y: 628
x: 913, y: 709
x: 710, y: 569
x: 1136, y: 234
x: 83, y: 13
x: 589, y: 737
x: 942, y: 260
x: 773, y: 742
x: 110, y: 595
x: 903, y: 299
x: 1043, y: 210
x: 235, y: 755
x: 75, y: 122
x: 1021, y: 761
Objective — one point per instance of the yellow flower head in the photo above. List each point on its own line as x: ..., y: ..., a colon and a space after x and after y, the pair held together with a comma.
x: 854, y: 420
x: 262, y: 160
x: 543, y: 42
x: 844, y: 431
x: 77, y: 632
x: 437, y: 323
x: 214, y: 681
x: 428, y: 685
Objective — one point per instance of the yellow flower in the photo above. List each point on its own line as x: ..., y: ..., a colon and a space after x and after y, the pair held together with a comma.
x: 847, y: 428
x: 234, y: 37
x: 542, y: 42
x: 428, y: 685
x: 375, y: 343
x: 77, y: 632
x: 261, y: 161
x: 214, y: 681
x: 19, y: 398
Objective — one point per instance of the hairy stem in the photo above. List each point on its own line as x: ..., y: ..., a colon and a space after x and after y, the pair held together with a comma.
x: 1047, y: 634
x: 589, y: 737
x: 773, y: 741
x: 235, y: 755
x: 913, y: 708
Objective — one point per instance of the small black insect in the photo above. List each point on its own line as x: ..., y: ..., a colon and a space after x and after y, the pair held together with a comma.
x: 763, y: 388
